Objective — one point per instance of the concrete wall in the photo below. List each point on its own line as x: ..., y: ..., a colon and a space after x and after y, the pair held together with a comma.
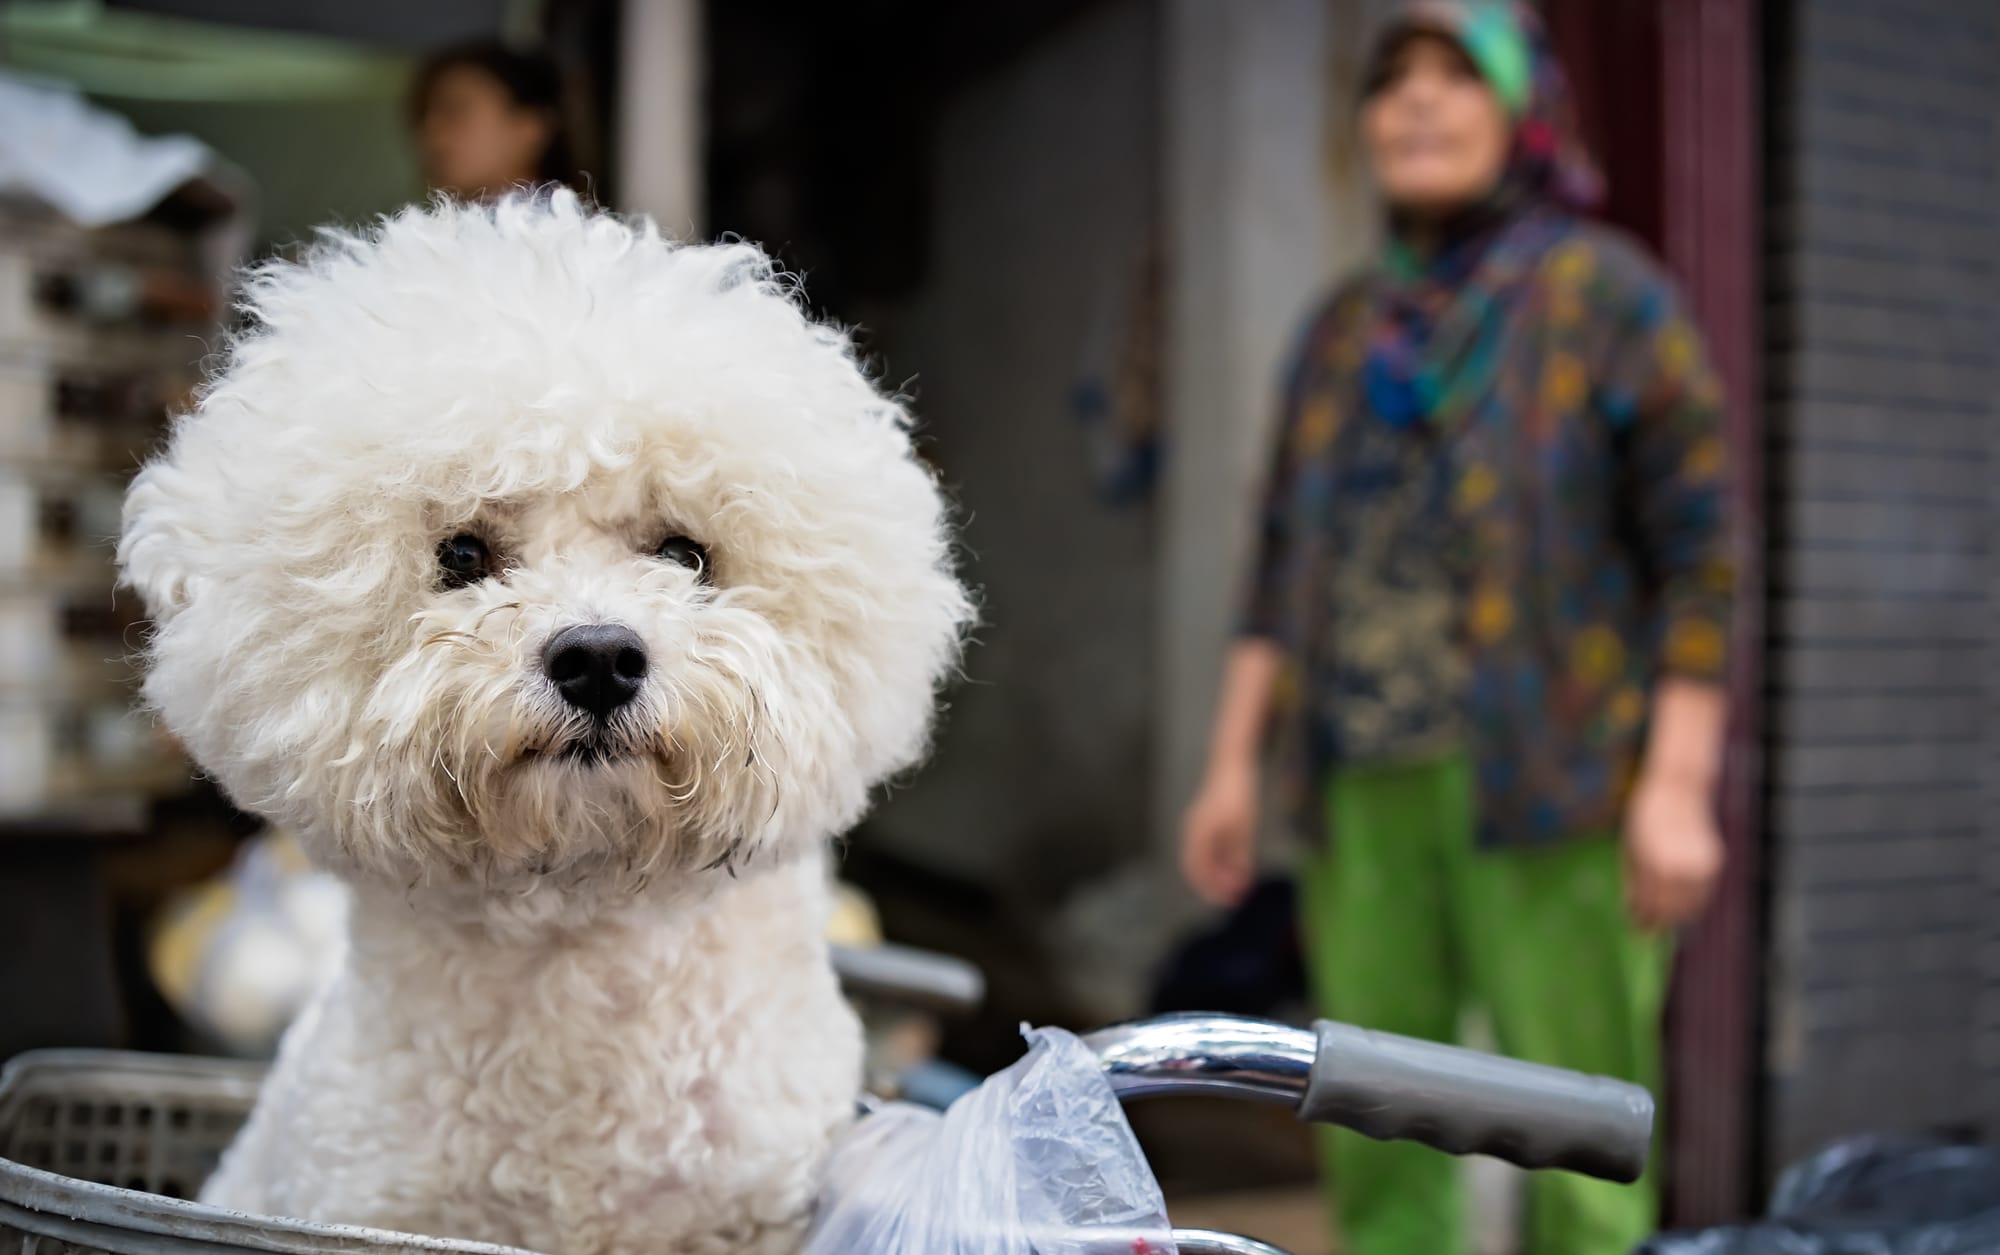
x: 1044, y: 186
x: 660, y: 113
x: 1070, y: 757
x: 1266, y: 206
x: 1885, y: 990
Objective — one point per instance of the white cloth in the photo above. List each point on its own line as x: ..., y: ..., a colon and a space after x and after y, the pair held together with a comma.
x: 85, y: 162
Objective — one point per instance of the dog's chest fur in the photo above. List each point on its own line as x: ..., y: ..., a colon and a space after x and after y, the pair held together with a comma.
x: 667, y: 1087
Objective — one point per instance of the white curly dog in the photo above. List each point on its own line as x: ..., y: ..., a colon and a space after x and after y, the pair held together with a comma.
x: 564, y: 589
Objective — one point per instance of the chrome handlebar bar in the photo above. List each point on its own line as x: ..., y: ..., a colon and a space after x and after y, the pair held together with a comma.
x: 1220, y: 1055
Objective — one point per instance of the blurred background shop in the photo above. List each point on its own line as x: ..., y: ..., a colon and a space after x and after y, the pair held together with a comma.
x: 1078, y: 233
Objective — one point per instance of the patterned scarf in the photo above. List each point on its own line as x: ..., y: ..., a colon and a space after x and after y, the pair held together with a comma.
x: 1431, y: 349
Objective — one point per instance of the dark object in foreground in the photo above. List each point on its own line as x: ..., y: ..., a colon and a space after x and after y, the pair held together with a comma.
x: 1249, y: 964
x: 1869, y: 1196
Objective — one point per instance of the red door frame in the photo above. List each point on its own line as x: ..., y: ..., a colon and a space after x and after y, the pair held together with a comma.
x: 1669, y: 93
x: 1713, y: 237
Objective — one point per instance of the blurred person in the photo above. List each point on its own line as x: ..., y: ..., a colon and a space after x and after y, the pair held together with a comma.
x: 1488, y: 623
x: 489, y: 118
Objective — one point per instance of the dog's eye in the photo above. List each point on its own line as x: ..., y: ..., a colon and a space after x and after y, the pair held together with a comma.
x: 464, y: 559
x: 691, y: 554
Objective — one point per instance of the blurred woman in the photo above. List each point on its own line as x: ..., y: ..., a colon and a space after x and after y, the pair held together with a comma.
x: 1488, y: 626
x: 489, y: 118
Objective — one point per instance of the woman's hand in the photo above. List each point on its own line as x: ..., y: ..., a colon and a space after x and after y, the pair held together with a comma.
x: 1219, y: 835
x: 1673, y: 851
x: 1673, y: 845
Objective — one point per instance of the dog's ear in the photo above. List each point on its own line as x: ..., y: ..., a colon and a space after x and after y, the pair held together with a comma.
x: 162, y: 533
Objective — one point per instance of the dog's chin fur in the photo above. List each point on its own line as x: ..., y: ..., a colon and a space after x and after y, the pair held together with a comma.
x: 586, y: 1005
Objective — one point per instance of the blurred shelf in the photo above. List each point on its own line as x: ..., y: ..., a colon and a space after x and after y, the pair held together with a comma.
x: 102, y: 333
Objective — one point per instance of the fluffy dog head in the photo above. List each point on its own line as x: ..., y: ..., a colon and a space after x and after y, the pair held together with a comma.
x: 515, y: 549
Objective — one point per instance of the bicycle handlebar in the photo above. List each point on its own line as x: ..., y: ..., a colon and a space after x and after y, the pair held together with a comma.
x: 1457, y: 1100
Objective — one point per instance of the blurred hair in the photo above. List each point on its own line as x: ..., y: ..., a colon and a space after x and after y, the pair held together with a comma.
x: 532, y: 80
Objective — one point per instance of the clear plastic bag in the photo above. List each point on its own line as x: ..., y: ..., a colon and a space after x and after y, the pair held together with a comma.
x: 1869, y: 1196
x: 1039, y: 1160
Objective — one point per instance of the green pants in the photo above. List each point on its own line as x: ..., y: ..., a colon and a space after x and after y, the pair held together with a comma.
x: 1408, y: 924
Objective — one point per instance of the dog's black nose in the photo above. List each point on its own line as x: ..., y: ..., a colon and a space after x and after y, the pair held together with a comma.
x: 597, y: 666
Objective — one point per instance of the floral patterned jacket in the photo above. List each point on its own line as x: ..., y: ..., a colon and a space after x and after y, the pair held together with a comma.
x: 1586, y: 495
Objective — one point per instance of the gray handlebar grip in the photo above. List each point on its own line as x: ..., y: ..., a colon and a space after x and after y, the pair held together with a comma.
x: 916, y: 978
x: 1469, y: 1102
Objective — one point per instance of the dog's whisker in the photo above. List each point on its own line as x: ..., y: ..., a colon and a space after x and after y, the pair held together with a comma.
x: 479, y: 624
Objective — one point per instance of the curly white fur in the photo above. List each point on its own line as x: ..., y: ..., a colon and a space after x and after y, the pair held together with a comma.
x: 586, y: 1004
